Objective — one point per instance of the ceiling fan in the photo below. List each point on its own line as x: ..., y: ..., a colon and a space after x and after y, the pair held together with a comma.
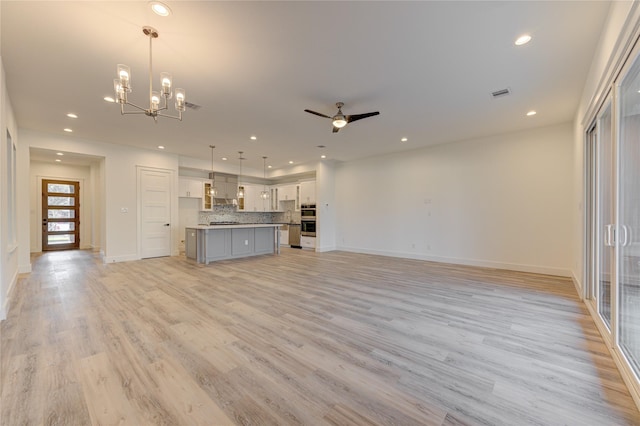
x: 340, y: 120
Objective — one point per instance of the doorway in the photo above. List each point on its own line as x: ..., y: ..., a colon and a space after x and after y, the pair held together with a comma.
x: 154, y: 186
x: 60, y: 215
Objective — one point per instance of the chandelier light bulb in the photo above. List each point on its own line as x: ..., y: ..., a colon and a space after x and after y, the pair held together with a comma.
x: 180, y: 100
x: 124, y: 74
x: 165, y: 79
x: 155, y: 101
x: 121, y: 96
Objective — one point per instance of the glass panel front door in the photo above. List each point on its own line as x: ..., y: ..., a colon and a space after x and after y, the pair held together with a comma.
x: 60, y: 215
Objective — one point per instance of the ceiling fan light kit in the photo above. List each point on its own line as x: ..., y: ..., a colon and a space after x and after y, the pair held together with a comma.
x: 339, y: 120
x: 122, y: 87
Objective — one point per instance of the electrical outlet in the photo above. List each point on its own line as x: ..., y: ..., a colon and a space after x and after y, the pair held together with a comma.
x: 246, y: 242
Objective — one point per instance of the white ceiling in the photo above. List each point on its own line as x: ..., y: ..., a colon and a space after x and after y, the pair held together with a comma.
x: 428, y: 67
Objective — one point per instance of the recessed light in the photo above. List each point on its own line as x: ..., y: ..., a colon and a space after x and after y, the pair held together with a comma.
x: 160, y: 147
x: 68, y: 130
x: 109, y: 99
x: 59, y: 153
x: 268, y: 167
x: 523, y: 39
x: 72, y: 115
x: 530, y: 113
x: 290, y: 162
x: 224, y: 158
x: 253, y: 138
x: 404, y: 140
x: 160, y: 9
x: 323, y: 156
x: 58, y: 160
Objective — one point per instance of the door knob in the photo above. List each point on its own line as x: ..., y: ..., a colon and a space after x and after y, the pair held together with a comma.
x: 166, y: 224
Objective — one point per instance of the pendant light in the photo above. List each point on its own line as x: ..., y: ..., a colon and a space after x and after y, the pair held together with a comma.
x: 240, y: 188
x: 213, y: 191
x: 264, y: 194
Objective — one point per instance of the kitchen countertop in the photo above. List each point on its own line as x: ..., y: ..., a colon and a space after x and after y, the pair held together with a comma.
x: 236, y: 226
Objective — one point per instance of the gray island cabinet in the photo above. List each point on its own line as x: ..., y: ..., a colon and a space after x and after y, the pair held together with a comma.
x: 207, y: 243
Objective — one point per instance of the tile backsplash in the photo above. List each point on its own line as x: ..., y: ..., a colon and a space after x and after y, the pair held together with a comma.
x: 229, y: 214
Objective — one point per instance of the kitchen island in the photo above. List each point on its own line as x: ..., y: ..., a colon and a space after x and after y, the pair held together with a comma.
x: 207, y: 243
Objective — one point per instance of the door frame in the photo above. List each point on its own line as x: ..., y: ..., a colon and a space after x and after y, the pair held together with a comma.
x: 83, y: 210
x: 172, y: 207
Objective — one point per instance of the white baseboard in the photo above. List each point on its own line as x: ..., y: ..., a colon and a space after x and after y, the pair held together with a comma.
x: 546, y: 270
x: 24, y: 269
x: 324, y: 249
x: 7, y: 300
x: 578, y: 285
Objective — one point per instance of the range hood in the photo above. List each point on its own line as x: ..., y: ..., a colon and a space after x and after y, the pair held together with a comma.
x: 226, y: 184
x: 217, y: 201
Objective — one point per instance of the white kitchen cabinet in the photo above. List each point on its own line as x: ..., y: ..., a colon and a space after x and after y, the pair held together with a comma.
x: 308, y: 192
x: 274, y: 201
x: 190, y: 187
x: 308, y: 242
x: 252, y: 200
x: 284, y: 237
x: 287, y: 192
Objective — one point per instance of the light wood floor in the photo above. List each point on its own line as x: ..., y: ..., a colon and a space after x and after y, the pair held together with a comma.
x: 301, y: 339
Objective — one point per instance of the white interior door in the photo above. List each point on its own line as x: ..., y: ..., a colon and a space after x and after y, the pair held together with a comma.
x: 155, y: 212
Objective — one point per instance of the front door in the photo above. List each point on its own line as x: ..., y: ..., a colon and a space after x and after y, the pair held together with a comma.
x: 60, y: 215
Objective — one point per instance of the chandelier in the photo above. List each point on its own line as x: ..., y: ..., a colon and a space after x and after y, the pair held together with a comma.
x: 122, y: 86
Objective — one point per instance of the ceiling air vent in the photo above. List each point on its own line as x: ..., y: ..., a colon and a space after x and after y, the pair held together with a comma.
x: 192, y: 106
x: 500, y: 93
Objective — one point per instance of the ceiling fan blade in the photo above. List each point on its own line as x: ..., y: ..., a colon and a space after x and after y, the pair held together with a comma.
x: 356, y: 117
x: 335, y: 129
x: 316, y: 113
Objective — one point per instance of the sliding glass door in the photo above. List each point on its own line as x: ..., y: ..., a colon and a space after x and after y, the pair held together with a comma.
x: 629, y: 216
x: 601, y: 213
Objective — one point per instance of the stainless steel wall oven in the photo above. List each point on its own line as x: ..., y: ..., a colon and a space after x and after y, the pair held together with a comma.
x: 308, y: 220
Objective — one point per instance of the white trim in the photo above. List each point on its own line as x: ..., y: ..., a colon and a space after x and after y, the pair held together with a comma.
x: 546, y: 270
x: 24, y: 269
x: 578, y: 285
x: 325, y: 249
x: 619, y: 54
x: 8, y: 297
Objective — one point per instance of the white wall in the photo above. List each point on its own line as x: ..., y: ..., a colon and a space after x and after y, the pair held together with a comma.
x: 9, y: 248
x: 82, y: 174
x: 326, y: 208
x: 119, y: 231
x: 502, y: 201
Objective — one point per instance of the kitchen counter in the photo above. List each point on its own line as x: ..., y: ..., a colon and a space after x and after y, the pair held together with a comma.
x: 236, y: 226
x: 208, y: 243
